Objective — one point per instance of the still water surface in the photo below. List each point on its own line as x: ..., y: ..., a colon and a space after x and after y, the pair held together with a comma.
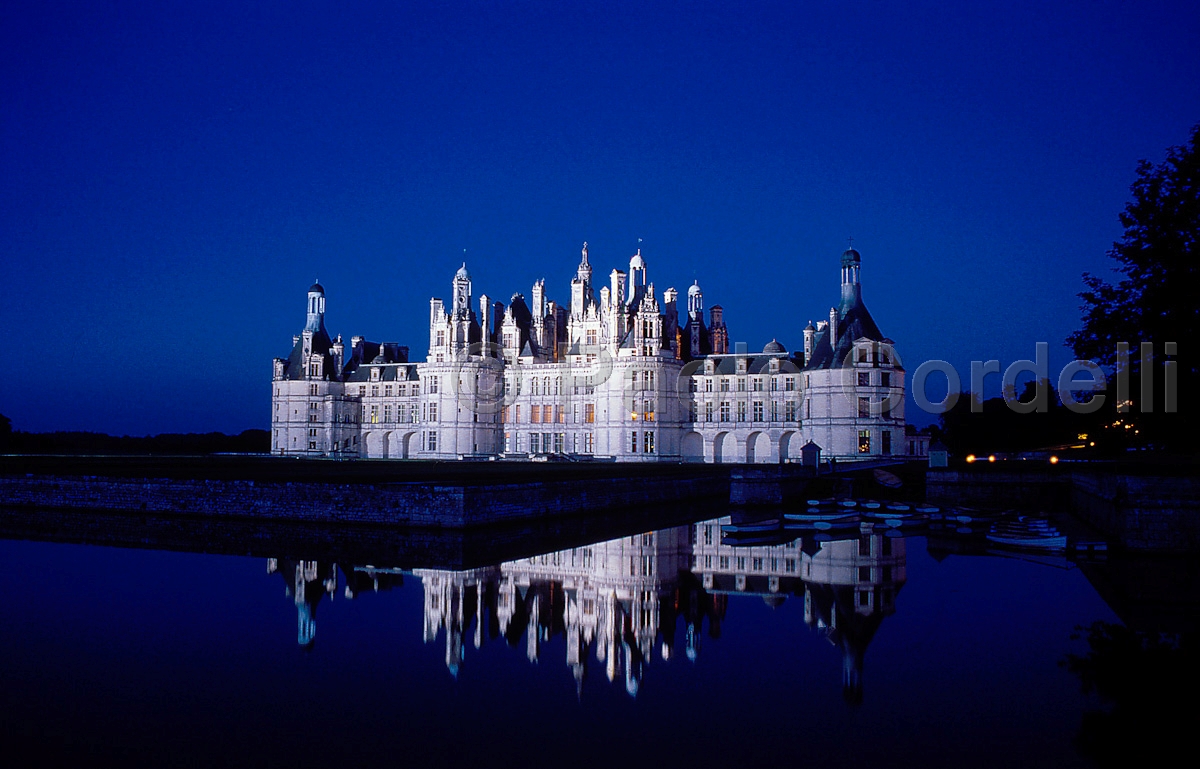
x: 665, y: 648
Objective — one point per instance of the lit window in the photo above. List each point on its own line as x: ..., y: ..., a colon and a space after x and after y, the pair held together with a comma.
x: 864, y: 441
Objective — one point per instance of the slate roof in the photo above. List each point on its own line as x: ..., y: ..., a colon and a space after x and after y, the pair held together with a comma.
x: 755, y: 364
x: 321, y: 344
x: 854, y: 322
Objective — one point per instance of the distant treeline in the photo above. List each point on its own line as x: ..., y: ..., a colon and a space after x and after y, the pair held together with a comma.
x: 974, y: 427
x: 246, y: 442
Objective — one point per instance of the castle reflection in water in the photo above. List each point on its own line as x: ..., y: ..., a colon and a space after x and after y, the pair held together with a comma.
x: 625, y: 600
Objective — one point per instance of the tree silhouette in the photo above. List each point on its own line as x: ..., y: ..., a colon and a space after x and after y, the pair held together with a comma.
x: 1158, y: 299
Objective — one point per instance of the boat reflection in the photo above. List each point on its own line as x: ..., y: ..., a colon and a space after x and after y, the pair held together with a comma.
x: 623, y: 601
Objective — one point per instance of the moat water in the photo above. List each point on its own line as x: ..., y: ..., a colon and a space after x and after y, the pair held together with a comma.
x: 658, y: 648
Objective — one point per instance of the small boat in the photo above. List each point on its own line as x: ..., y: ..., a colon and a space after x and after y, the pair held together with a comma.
x: 978, y: 516
x: 1029, y: 542
x: 1027, y: 533
x: 896, y: 507
x: 890, y: 480
x: 908, y: 520
x: 927, y: 509
x: 814, y: 515
x: 871, y: 505
x: 841, y: 522
x: 847, y: 503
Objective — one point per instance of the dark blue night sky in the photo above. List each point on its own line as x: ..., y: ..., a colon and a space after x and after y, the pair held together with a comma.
x: 172, y: 178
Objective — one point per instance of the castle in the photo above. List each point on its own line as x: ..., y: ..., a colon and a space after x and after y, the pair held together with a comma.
x: 619, y: 372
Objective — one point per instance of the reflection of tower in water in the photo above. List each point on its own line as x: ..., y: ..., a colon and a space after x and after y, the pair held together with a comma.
x: 307, y: 583
x: 848, y: 585
x: 851, y: 586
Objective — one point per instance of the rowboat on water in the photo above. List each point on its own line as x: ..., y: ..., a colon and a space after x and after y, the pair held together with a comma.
x: 1027, y: 533
x: 890, y: 480
x: 814, y: 515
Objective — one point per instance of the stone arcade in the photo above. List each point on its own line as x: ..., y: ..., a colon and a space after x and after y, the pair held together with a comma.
x: 618, y: 372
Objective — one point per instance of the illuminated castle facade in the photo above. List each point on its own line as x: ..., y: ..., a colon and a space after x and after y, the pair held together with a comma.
x: 618, y: 371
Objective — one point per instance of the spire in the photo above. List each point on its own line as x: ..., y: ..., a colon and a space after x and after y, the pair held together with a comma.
x: 695, y: 302
x: 584, y: 273
x: 851, y: 265
x: 316, y: 308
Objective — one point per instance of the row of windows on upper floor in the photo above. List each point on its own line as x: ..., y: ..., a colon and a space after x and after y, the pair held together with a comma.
x: 755, y: 411
x: 711, y: 411
x: 639, y: 380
